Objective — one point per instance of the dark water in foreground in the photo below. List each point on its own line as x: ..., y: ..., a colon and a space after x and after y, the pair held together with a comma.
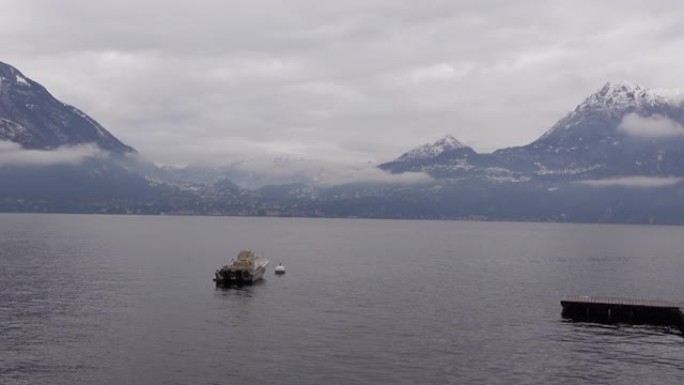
x: 129, y: 300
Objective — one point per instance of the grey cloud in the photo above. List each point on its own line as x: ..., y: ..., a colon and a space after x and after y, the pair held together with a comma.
x: 314, y: 78
x: 13, y: 154
x: 655, y: 126
x: 323, y: 173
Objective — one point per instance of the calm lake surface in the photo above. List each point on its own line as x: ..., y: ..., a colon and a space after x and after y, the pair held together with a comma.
x: 129, y: 300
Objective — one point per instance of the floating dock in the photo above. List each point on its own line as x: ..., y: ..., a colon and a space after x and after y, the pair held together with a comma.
x: 623, y: 310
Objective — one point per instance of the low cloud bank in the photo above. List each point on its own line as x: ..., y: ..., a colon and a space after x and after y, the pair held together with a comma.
x: 654, y: 126
x: 338, y: 176
x: 283, y: 169
x: 634, y: 181
x: 13, y: 154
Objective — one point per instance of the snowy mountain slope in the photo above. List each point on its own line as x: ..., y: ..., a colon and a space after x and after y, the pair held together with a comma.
x: 446, y: 157
x: 623, y: 129
x: 431, y: 150
x: 32, y: 117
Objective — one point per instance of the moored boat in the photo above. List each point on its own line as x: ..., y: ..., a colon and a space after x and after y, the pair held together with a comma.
x: 245, y: 270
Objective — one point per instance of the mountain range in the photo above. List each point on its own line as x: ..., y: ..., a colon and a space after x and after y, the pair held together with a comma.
x: 622, y: 130
x: 617, y: 157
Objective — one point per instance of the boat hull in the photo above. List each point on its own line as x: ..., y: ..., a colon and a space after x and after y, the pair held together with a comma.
x: 228, y: 277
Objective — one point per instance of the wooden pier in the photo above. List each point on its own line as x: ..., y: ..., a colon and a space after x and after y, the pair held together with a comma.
x: 623, y: 310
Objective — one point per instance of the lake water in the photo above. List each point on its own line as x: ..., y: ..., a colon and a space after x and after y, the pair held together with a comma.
x: 129, y: 300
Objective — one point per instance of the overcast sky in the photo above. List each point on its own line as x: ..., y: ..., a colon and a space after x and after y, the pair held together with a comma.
x: 211, y: 81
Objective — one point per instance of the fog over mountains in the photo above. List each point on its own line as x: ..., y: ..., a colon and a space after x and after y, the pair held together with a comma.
x: 617, y: 157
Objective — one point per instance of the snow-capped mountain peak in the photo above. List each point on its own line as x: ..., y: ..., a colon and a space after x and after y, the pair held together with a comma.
x: 33, y: 118
x: 12, y: 75
x: 626, y: 94
x: 430, y: 150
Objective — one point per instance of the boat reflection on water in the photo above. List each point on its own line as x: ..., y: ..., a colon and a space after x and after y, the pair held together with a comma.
x: 239, y: 290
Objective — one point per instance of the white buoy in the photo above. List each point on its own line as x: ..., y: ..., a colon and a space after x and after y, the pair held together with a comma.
x: 280, y: 269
